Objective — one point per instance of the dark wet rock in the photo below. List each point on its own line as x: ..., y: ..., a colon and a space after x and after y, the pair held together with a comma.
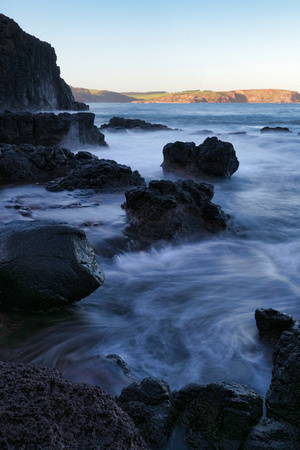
x: 45, y: 265
x: 41, y: 410
x: 120, y: 123
x: 29, y: 76
x: 275, y: 129
x: 93, y: 173
x: 201, y: 132
x: 49, y: 129
x: 148, y: 404
x: 218, y: 415
x: 171, y: 211
x: 26, y: 162
x: 283, y: 396
x: 269, y: 434
x: 271, y: 323
x: 212, y: 158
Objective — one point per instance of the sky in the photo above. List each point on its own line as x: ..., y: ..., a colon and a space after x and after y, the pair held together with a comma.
x: 168, y: 45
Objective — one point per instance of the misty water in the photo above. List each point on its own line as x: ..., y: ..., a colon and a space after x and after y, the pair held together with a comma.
x: 185, y: 312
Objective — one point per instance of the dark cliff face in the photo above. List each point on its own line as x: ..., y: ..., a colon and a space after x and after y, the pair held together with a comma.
x: 29, y: 76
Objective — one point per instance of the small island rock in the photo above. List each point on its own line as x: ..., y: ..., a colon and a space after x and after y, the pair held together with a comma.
x: 213, y: 158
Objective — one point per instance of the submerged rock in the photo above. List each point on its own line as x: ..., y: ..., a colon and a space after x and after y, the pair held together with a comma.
x: 171, y: 211
x: 283, y: 396
x: 49, y: 129
x: 271, y: 323
x: 45, y: 265
x: 275, y: 129
x: 120, y: 123
x: 213, y: 158
x: 41, y: 410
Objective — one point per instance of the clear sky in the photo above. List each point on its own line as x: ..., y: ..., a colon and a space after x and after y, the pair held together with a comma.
x: 169, y: 45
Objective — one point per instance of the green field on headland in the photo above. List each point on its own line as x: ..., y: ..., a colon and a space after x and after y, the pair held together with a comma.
x: 189, y: 96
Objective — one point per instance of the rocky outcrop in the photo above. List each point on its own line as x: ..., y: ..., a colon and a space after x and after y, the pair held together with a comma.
x: 283, y: 396
x: 173, y: 211
x: 120, y: 123
x: 29, y: 163
x: 41, y: 410
x: 49, y: 128
x: 217, y: 415
x: 213, y: 158
x: 271, y: 324
x: 29, y: 76
x: 45, y: 265
x: 91, y: 172
x: 275, y: 129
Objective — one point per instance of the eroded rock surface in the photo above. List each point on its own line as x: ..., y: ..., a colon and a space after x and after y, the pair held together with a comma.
x: 171, y: 211
x: 38, y: 409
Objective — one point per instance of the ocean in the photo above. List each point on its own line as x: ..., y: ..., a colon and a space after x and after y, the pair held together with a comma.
x: 185, y: 312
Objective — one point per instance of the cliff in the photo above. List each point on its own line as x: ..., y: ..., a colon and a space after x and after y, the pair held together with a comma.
x: 238, y: 96
x: 29, y: 76
x: 92, y: 96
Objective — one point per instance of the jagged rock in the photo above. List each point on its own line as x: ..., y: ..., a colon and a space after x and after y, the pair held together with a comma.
x: 120, y: 123
x: 218, y: 415
x: 283, y: 396
x: 29, y: 76
x: 271, y: 323
x: 38, y: 409
x: 172, y: 211
x: 93, y: 173
x: 45, y: 265
x: 275, y: 129
x: 49, y: 128
x: 269, y: 434
x: 213, y: 158
x: 28, y: 163
x: 148, y: 404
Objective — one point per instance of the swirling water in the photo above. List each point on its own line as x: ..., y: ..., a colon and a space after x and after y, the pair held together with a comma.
x: 184, y: 312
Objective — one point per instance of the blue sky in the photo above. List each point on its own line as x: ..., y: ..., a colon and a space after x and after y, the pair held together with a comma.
x: 148, y: 45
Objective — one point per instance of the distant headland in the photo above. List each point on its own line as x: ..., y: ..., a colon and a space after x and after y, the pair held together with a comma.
x: 191, y: 96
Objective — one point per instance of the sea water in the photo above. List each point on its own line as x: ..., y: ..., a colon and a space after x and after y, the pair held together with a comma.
x: 185, y: 312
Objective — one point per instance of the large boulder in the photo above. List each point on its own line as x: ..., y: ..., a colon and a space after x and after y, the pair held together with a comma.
x: 29, y: 76
x: 213, y: 158
x: 49, y: 128
x: 120, y: 123
x: 45, y: 265
x: 38, y: 409
x: 283, y: 396
x: 173, y: 211
x: 91, y: 172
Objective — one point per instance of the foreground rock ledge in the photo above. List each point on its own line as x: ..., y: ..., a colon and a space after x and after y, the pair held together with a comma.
x: 45, y: 265
x: 38, y: 409
x: 173, y: 211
